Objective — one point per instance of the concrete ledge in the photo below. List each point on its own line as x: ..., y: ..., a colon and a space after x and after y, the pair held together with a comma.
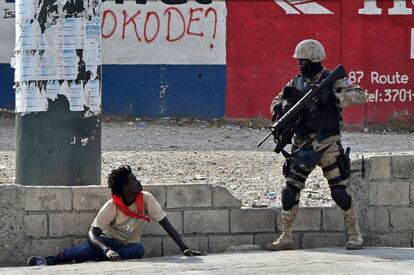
x: 401, y: 219
x: 253, y: 220
x: 332, y: 219
x: 189, y: 195
x: 379, y: 168
x: 206, y: 221
x: 44, y: 220
x: 89, y: 197
x: 396, y: 193
x: 308, y: 219
x: 37, y: 198
x: 220, y: 243
x: 402, y: 166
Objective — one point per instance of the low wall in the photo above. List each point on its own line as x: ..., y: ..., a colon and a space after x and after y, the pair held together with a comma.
x: 44, y: 220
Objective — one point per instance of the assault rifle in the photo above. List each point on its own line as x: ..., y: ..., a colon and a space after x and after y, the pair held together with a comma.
x: 284, y: 121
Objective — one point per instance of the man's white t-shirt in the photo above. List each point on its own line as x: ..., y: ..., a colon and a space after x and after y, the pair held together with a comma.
x: 116, y: 225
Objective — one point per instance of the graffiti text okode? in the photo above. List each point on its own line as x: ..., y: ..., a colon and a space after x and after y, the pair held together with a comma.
x: 148, y: 25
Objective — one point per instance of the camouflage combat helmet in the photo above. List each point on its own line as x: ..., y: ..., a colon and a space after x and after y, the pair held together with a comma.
x: 310, y: 49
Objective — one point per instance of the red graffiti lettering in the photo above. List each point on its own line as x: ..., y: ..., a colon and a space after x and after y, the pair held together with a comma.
x: 104, y: 15
x: 130, y: 20
x: 154, y: 23
x: 215, y: 19
x: 192, y: 11
x: 169, y: 12
x: 149, y: 14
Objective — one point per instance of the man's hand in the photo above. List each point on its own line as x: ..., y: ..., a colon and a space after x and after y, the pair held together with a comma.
x: 190, y: 253
x: 112, y: 255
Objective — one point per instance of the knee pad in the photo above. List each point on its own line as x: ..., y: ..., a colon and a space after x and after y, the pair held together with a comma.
x: 341, y: 197
x: 290, y: 196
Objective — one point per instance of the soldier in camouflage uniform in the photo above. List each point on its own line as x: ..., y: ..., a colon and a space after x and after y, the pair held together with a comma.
x: 316, y: 141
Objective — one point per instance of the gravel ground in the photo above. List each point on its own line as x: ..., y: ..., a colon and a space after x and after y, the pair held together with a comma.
x: 218, y: 152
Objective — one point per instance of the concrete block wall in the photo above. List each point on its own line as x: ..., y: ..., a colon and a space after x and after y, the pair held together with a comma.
x: 44, y: 220
x: 390, y: 201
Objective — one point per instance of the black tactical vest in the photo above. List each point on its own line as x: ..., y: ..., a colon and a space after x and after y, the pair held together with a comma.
x: 322, y: 119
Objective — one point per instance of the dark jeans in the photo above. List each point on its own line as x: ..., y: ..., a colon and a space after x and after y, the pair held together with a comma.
x: 85, y: 252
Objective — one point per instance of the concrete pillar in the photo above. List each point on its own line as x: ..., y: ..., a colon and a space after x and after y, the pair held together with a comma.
x: 57, y: 63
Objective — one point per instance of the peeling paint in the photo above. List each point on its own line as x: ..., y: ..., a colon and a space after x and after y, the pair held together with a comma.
x: 163, y: 93
x: 84, y: 141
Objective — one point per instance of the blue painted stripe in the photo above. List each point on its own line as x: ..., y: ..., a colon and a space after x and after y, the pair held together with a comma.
x: 197, y: 91
x: 6, y: 87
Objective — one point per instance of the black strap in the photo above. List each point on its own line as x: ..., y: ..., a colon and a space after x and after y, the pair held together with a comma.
x: 298, y: 169
x: 330, y: 167
x: 335, y: 180
x: 297, y: 177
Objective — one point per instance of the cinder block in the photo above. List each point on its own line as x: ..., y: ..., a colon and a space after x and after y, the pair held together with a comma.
x: 8, y: 194
x: 154, y: 228
x: 263, y: 240
x: 402, y: 166
x: 152, y: 246
x: 206, y: 221
x: 36, y: 225
x: 169, y: 247
x: 221, y: 243
x: 378, y: 219
x: 402, y: 219
x: 189, y: 195
x: 46, y: 247
x: 378, y: 168
x: 223, y: 198
x: 313, y: 240
x: 159, y: 193
x: 90, y: 197
x: 39, y: 198
x: 332, y: 219
x: 77, y: 224
x: 308, y: 219
x: 253, y: 220
x: 402, y: 239
x: 389, y: 193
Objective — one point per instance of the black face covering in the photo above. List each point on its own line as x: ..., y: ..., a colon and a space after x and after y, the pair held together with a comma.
x: 311, y: 69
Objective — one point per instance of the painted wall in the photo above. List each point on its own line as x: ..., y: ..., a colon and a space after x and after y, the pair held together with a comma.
x: 229, y: 58
x: 372, y: 39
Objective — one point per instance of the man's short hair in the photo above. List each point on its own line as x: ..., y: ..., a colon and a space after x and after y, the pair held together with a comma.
x: 118, y: 178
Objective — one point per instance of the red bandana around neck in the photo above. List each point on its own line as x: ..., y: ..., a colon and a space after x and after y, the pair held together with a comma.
x: 139, y: 201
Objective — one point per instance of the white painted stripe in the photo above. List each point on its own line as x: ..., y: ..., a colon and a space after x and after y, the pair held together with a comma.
x: 312, y: 8
x: 129, y: 46
x: 412, y: 43
x: 287, y: 7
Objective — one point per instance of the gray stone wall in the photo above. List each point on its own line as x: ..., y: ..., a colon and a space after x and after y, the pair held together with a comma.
x: 44, y: 220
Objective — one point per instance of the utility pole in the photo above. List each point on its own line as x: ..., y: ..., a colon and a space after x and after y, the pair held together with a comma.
x: 57, y: 63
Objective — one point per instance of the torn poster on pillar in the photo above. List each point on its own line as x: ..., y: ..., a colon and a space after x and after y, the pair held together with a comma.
x: 30, y: 98
x: 93, y: 95
x: 57, y: 52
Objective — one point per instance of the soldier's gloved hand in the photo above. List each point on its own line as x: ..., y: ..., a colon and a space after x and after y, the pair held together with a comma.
x: 326, y: 97
x: 286, y: 106
x: 189, y: 252
x: 291, y: 94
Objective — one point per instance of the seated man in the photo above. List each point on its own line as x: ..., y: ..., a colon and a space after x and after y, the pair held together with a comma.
x: 115, y: 233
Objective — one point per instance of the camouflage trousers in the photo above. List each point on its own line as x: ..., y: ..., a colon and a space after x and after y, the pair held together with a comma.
x: 297, y: 175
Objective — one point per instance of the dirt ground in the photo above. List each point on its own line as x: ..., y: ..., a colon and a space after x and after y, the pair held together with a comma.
x: 218, y: 152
